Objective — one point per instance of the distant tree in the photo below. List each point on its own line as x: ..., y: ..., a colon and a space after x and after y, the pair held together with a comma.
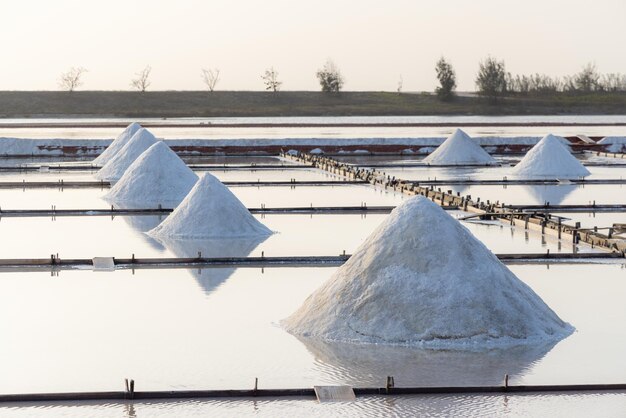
x: 588, y: 79
x: 142, y: 82
x: 72, y: 79
x: 330, y: 78
x: 613, y: 82
x: 270, y: 79
x: 491, y: 79
x: 400, y: 84
x: 210, y: 77
x: 447, y: 79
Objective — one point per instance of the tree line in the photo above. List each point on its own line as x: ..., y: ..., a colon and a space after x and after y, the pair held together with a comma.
x: 492, y: 80
x: 330, y: 78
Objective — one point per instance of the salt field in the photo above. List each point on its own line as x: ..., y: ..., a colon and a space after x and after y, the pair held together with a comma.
x: 193, y: 326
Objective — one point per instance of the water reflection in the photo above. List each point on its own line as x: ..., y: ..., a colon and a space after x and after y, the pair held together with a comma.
x: 141, y: 223
x: 369, y: 364
x: 211, y: 278
x: 552, y: 194
x: 144, y: 223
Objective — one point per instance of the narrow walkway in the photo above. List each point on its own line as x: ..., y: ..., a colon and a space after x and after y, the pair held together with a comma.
x: 288, y: 261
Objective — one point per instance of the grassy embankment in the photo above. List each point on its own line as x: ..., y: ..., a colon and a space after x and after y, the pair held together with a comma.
x: 242, y: 104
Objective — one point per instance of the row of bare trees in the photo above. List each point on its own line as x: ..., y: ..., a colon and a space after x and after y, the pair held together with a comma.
x: 329, y: 76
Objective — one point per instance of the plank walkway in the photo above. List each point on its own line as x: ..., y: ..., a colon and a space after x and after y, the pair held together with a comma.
x: 286, y: 261
x: 424, y: 165
x: 489, y: 209
x: 53, y: 212
x: 131, y: 394
x: 197, y: 167
x: 512, y: 182
x: 89, y: 184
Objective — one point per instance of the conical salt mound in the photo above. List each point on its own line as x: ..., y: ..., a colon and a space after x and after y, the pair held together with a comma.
x: 550, y: 159
x: 117, y: 144
x: 210, y: 210
x: 459, y: 149
x: 115, y: 168
x: 614, y: 143
x: 158, y: 176
x: 412, y: 284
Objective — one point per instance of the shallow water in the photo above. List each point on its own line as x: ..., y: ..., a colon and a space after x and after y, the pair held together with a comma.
x: 296, y: 235
x: 608, y: 405
x: 334, y: 132
x: 218, y: 328
x: 563, y: 194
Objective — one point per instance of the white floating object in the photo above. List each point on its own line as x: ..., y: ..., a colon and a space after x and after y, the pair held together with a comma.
x: 103, y: 264
x: 44, y: 169
x: 334, y: 393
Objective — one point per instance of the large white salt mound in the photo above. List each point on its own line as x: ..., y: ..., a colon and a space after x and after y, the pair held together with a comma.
x: 421, y: 278
x: 550, y: 159
x: 119, y: 163
x: 459, y: 149
x: 210, y: 210
x: 117, y: 144
x: 158, y: 176
x: 614, y: 143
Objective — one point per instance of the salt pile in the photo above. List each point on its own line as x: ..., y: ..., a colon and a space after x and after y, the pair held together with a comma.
x: 158, y: 176
x: 614, y: 143
x: 459, y: 149
x: 114, y: 169
x: 550, y: 159
x: 117, y: 144
x: 210, y: 210
x: 412, y: 284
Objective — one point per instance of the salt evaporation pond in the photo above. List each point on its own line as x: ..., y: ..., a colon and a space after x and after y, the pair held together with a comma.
x: 563, y: 194
x: 297, y: 235
x: 484, y: 173
x: 611, y: 404
x: 334, y: 132
x: 251, y: 196
x: 66, y: 323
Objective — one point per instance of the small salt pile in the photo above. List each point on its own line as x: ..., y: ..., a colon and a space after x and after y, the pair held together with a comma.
x: 614, y: 143
x: 412, y: 284
x: 550, y: 159
x: 158, y: 176
x: 459, y: 149
x: 210, y: 210
x: 117, y: 144
x: 114, y: 169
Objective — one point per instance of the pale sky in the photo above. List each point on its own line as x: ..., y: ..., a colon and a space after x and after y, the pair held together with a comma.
x: 372, y: 42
